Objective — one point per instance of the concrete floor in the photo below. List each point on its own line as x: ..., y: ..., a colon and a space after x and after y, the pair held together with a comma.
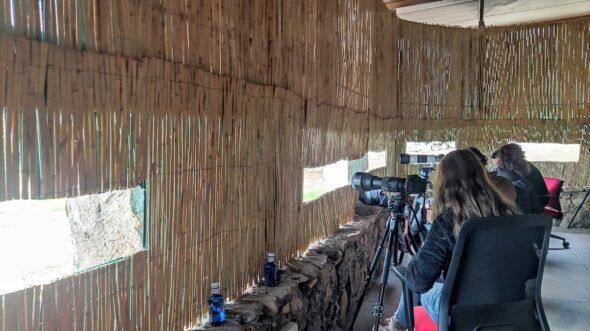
x: 565, y: 292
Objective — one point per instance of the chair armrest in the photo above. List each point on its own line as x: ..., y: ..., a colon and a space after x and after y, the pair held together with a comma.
x: 400, y: 275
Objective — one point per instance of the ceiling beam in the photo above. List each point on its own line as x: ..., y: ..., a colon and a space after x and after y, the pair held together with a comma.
x: 481, y: 7
x: 394, y: 4
x: 465, y: 13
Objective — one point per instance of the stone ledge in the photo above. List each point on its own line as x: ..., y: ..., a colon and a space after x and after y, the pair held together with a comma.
x: 317, y: 291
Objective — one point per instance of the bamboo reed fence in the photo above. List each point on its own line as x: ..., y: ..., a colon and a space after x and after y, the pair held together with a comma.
x: 220, y: 104
x: 486, y: 87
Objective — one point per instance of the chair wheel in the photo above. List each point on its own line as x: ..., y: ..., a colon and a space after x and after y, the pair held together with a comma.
x: 566, y: 244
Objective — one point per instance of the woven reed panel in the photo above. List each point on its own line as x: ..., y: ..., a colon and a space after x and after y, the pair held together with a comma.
x: 538, y: 72
x: 527, y: 83
x: 219, y: 104
x: 438, y: 71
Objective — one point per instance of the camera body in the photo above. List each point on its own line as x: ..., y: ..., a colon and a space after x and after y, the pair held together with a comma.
x: 373, y: 192
x: 413, y: 184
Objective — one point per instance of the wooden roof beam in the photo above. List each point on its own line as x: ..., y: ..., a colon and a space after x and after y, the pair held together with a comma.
x: 394, y: 4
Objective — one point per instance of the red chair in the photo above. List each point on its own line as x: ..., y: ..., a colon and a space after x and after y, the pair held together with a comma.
x: 422, y: 321
x: 553, y: 207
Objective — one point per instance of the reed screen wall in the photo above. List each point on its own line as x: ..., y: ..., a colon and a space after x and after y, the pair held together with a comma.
x: 486, y: 87
x: 220, y: 104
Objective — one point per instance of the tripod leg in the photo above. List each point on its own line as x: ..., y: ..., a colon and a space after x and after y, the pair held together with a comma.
x: 378, y: 307
x: 578, y: 210
x: 396, y: 250
x: 371, y: 271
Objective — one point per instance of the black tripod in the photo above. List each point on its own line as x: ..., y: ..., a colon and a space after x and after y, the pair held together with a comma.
x: 395, y: 205
x: 578, y: 210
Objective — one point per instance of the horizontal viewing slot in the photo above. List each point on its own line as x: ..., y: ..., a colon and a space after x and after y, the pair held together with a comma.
x: 551, y: 152
x: 377, y: 160
x: 53, y: 238
x: 321, y: 180
x: 430, y: 147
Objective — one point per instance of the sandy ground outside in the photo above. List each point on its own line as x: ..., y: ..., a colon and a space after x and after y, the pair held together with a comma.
x: 35, y: 243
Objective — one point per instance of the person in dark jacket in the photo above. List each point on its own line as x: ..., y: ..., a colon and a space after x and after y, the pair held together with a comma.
x: 526, y: 197
x: 502, y: 184
x: 531, y: 191
x: 536, y: 178
x: 463, y: 191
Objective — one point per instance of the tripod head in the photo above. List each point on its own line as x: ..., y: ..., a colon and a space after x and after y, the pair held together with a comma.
x: 396, y: 202
x: 426, y: 169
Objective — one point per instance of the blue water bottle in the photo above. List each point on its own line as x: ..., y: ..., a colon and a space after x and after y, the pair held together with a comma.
x: 270, y: 271
x: 216, y: 306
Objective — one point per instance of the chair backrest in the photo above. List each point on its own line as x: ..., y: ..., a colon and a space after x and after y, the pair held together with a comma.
x: 495, y: 274
x: 554, y: 188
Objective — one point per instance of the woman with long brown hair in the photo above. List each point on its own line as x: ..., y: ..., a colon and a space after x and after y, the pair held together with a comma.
x: 463, y: 191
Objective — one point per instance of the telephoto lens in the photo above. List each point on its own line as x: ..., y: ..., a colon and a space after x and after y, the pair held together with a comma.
x: 373, y: 198
x: 419, y: 159
x: 363, y: 181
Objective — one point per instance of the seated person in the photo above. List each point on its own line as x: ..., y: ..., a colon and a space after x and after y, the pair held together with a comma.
x: 502, y: 184
x: 463, y: 191
x: 531, y: 191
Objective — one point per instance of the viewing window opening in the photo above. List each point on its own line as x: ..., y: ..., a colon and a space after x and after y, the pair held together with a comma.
x: 43, y: 240
x: 321, y: 180
x: 551, y: 152
x: 430, y: 148
x: 318, y: 181
x: 377, y: 160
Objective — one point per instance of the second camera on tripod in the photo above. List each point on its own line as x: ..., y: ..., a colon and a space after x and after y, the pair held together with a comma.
x: 413, y: 184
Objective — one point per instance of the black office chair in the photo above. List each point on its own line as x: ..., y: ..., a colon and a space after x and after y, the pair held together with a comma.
x: 494, y: 278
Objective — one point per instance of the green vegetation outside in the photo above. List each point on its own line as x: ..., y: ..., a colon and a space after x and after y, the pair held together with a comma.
x: 312, y: 194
